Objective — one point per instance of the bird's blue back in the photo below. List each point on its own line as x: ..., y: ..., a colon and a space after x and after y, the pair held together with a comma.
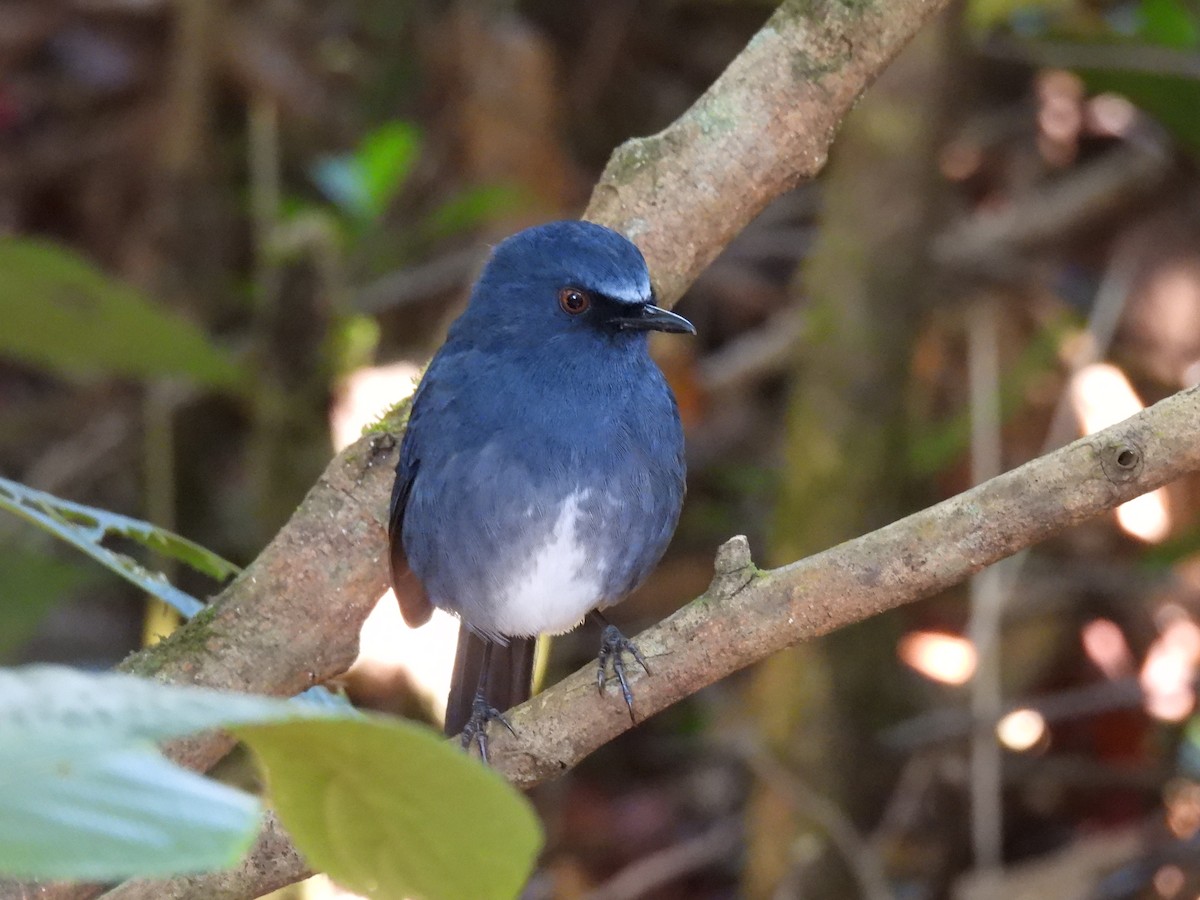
x: 525, y: 409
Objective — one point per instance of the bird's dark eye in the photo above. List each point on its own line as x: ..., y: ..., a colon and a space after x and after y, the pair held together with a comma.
x: 574, y: 301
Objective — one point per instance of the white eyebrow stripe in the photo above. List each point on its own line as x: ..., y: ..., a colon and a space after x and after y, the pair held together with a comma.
x: 634, y: 291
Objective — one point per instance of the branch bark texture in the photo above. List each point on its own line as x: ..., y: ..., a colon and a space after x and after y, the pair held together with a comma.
x: 272, y: 863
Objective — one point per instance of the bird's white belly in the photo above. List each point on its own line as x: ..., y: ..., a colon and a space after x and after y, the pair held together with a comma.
x: 558, y: 587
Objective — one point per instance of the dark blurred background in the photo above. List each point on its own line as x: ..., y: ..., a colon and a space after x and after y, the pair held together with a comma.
x: 232, y: 232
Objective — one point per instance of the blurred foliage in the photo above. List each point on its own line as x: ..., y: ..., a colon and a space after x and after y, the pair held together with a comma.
x: 472, y: 208
x: 1170, y: 23
x: 63, y: 315
x: 1121, y: 35
x: 31, y: 582
x: 934, y: 446
x: 363, y: 183
x: 984, y: 14
x: 1172, y: 99
x: 89, y: 795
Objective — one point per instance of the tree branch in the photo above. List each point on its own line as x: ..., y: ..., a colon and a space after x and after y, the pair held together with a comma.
x: 272, y: 863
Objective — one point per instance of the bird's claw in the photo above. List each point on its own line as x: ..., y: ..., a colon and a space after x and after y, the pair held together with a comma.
x: 613, y: 647
x: 475, y: 730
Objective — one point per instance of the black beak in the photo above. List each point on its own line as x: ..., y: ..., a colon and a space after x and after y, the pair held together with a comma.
x: 654, y: 318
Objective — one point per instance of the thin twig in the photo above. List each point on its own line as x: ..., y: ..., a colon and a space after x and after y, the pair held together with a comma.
x: 987, y: 592
x: 672, y: 863
x: 857, y: 853
x: 988, y: 241
x: 767, y: 350
x: 950, y: 724
x: 427, y: 280
x: 1121, y: 57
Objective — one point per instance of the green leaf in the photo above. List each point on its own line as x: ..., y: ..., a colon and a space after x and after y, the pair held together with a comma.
x: 62, y: 314
x: 390, y: 809
x: 85, y: 527
x: 84, y: 793
x: 384, y: 806
x: 57, y: 710
x: 1169, y: 23
x: 364, y: 183
x: 385, y: 161
x: 115, y: 813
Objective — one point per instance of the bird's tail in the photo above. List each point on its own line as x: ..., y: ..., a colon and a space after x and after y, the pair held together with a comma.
x: 509, y: 677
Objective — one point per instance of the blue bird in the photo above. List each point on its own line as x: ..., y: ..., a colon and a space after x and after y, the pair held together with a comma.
x: 542, y: 472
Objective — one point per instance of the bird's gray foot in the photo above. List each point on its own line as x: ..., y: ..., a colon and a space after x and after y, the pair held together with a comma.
x: 475, y: 731
x: 613, y: 647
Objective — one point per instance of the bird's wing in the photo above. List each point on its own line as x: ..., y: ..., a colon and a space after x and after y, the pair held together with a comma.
x: 410, y: 593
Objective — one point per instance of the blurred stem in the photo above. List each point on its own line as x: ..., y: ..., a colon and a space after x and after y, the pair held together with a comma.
x: 860, y: 858
x: 844, y: 470
x: 263, y: 124
x: 188, y: 86
x: 292, y: 322
x: 182, y: 159
x: 158, y: 454
x: 986, y: 592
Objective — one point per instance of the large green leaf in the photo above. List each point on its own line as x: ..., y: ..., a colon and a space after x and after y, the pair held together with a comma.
x: 86, y: 527
x: 84, y: 793
x: 386, y: 811
x: 384, y: 806
x: 62, y: 314
x: 113, y: 813
x: 57, y: 710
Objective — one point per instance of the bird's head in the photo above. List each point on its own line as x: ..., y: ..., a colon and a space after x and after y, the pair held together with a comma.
x: 568, y: 277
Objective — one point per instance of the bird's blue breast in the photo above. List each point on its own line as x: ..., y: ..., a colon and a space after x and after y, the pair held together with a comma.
x: 546, y: 482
